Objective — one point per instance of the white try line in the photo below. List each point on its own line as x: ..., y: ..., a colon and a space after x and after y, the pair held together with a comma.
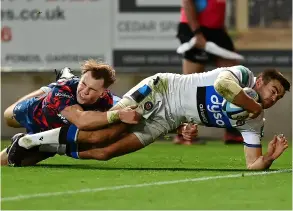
x: 91, y: 190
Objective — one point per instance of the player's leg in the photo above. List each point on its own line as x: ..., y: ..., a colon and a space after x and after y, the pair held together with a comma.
x: 140, y: 136
x: 19, y: 106
x: 4, y: 157
x: 29, y: 157
x: 17, y: 154
x: 69, y: 134
x: 129, y: 143
x: 194, y: 60
x: 125, y: 145
x: 9, y: 117
x: 189, y: 67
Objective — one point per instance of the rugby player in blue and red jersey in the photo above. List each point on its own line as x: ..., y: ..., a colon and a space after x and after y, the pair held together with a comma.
x: 68, y: 101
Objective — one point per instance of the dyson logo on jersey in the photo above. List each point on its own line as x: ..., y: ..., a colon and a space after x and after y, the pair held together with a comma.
x: 215, y: 109
x: 60, y: 94
x: 209, y: 105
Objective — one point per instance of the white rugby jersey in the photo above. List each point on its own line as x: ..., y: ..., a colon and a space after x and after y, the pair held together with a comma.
x: 194, y: 97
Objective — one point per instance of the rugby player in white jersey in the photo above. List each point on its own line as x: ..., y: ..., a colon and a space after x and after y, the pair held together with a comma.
x: 175, y: 99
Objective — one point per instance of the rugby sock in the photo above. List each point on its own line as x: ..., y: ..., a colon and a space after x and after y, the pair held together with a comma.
x: 68, y: 134
x: 46, y: 137
x: 60, y: 149
x: 72, y: 150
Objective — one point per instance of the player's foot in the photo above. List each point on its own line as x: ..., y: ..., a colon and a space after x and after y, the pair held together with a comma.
x: 16, y: 137
x: 65, y: 73
x: 13, y: 139
x: 16, y: 152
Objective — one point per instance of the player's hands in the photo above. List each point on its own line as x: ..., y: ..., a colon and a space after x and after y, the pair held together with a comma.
x: 129, y: 115
x: 280, y: 145
x: 256, y: 112
x: 272, y: 146
x: 200, y: 41
x: 189, y: 131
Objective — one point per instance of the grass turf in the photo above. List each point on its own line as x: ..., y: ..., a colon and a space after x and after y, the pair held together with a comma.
x: 159, y: 162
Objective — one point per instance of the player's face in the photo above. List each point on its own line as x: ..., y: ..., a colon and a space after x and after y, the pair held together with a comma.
x: 89, y: 89
x: 269, y: 93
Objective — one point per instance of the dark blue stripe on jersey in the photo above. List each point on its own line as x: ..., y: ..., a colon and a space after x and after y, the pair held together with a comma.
x: 71, y: 134
x: 252, y: 145
x: 141, y: 93
x: 201, y: 106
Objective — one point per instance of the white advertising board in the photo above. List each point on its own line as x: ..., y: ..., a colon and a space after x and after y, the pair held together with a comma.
x: 146, y: 24
x: 47, y: 34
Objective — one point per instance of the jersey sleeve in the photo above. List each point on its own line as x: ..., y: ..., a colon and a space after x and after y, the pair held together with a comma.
x: 252, y: 131
x: 48, y: 87
x: 251, y: 139
x: 243, y: 74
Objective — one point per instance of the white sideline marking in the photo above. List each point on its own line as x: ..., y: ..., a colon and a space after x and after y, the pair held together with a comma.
x: 88, y: 190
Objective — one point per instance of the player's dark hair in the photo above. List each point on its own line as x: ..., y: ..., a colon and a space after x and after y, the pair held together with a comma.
x: 272, y: 74
x: 99, y: 70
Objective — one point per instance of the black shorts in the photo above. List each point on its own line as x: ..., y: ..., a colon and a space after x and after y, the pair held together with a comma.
x: 218, y: 36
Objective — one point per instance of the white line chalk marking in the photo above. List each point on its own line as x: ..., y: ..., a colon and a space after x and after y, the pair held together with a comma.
x: 91, y: 190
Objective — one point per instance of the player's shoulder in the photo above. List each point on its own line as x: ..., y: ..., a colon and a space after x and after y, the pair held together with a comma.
x: 240, y: 68
x: 67, y: 85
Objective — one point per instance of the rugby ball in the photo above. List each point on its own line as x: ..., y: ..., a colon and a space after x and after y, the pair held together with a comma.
x: 235, y: 112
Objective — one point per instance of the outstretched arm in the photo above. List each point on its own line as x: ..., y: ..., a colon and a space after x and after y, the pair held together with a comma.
x: 255, y: 160
x: 92, y: 120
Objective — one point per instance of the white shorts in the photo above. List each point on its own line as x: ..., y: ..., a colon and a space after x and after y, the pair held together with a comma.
x: 157, y: 119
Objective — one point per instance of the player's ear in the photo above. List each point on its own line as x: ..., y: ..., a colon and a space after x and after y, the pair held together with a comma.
x: 259, y: 82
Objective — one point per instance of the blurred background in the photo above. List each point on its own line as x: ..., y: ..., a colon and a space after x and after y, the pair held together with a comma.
x: 138, y: 38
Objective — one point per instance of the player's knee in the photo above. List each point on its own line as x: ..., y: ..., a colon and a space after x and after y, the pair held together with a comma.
x: 8, y: 113
x: 4, y: 157
x: 8, y: 116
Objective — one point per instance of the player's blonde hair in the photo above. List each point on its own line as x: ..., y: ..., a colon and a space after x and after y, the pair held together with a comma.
x: 99, y: 70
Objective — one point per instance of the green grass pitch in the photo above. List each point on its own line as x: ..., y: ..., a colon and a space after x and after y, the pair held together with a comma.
x: 161, y: 176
